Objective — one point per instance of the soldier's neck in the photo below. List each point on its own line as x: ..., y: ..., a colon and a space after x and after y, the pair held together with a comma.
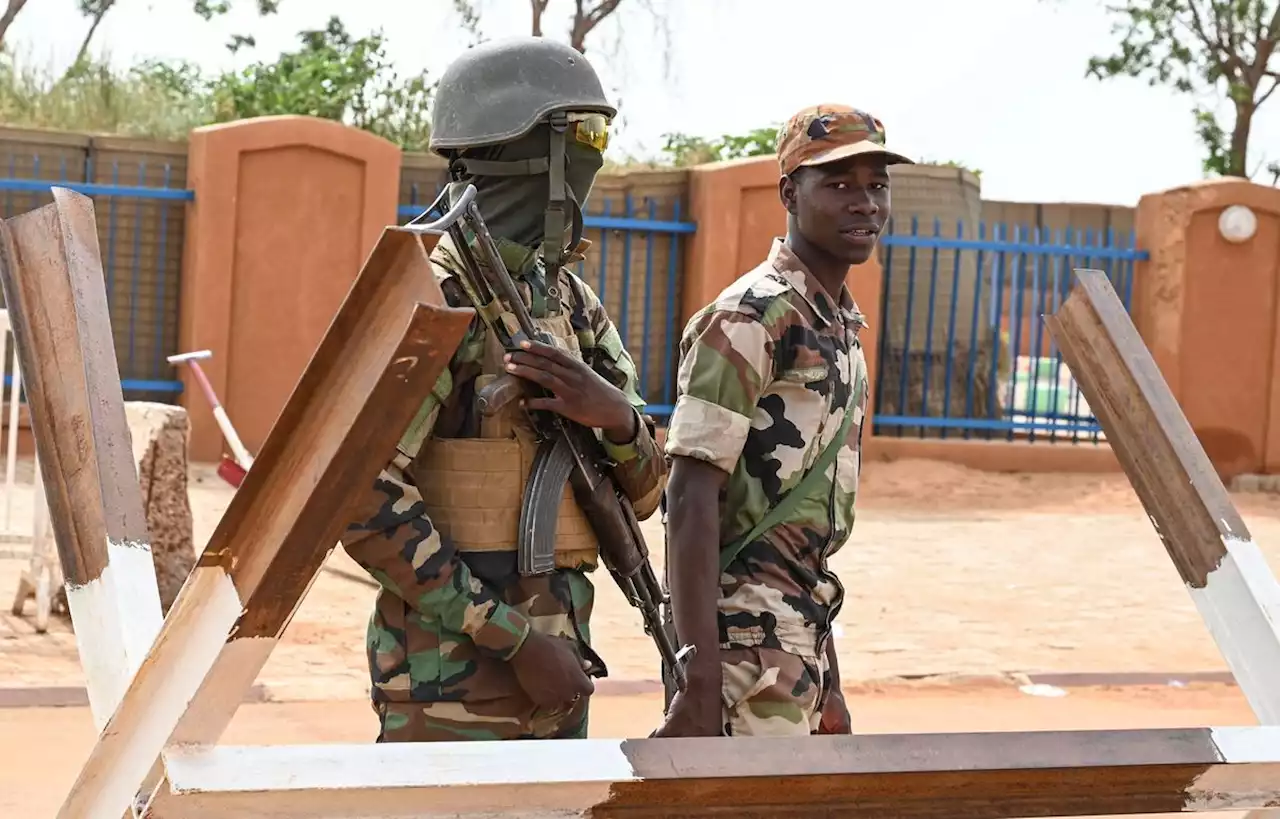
x: 827, y: 269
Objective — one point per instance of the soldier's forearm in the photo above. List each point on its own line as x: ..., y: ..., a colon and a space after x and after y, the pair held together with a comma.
x: 395, y: 542
x: 693, y: 568
x: 640, y: 470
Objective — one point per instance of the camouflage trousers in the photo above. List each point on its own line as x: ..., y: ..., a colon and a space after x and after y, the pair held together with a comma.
x: 432, y: 684
x: 772, y: 693
x: 513, y: 717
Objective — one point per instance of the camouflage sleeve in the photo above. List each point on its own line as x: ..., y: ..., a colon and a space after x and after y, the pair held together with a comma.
x: 641, y: 469
x: 393, y: 539
x: 726, y: 363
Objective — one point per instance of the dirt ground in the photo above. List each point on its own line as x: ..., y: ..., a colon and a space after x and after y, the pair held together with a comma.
x: 949, y: 571
x: 970, y: 578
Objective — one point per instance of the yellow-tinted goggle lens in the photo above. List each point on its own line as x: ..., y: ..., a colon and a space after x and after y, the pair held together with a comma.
x: 591, y: 129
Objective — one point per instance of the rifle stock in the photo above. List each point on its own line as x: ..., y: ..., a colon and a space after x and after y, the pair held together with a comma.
x: 567, y: 450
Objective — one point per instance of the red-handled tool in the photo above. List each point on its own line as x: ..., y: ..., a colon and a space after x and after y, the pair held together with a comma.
x: 231, y: 471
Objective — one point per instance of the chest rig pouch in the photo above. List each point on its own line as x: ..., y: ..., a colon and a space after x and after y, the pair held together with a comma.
x: 475, y: 488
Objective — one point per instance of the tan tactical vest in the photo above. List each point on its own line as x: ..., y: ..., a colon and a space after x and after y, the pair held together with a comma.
x: 473, y: 488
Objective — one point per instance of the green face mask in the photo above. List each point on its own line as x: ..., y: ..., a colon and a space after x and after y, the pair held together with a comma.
x: 513, y: 188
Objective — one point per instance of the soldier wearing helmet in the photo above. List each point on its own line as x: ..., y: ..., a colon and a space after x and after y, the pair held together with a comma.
x: 461, y: 646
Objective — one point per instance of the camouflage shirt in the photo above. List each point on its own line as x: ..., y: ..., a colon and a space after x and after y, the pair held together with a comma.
x: 431, y: 592
x: 766, y: 373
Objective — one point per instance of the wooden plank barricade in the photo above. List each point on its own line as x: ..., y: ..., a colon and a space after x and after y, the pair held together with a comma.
x: 387, y: 344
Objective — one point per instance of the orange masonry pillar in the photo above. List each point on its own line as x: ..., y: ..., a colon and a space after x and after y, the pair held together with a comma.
x: 1206, y: 305
x: 286, y: 209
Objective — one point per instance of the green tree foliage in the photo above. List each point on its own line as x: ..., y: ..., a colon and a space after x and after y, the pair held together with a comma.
x: 333, y: 75
x: 1219, y: 50
x: 144, y: 101
x: 951, y: 163
x: 96, y: 10
x: 684, y: 150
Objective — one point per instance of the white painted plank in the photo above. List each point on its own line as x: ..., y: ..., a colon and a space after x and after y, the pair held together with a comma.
x: 1240, y: 606
x: 1239, y: 768
x: 209, y: 601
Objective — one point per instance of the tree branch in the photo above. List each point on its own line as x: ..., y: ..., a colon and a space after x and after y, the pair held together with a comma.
x: 603, y: 10
x: 468, y: 12
x: 9, y: 15
x: 1226, y: 16
x: 538, y: 7
x: 96, y: 20
x: 1216, y: 47
x: 1267, y: 94
x: 1266, y: 47
x: 584, y: 20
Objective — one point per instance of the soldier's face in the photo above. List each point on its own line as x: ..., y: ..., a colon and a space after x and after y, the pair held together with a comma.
x: 841, y: 207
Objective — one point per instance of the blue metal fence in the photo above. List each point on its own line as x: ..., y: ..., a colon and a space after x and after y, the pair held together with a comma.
x: 140, y: 239
x: 963, y: 351
x: 644, y: 304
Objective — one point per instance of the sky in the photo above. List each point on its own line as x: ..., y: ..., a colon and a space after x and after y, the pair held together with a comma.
x: 1002, y: 89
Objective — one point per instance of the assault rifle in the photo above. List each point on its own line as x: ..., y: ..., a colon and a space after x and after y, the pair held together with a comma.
x: 567, y: 451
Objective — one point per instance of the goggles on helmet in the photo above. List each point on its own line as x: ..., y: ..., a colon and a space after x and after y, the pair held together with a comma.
x: 589, y: 129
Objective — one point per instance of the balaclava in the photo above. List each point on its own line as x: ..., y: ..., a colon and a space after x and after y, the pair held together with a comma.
x: 514, y: 199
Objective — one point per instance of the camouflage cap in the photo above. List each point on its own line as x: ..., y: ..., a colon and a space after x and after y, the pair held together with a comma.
x: 828, y: 132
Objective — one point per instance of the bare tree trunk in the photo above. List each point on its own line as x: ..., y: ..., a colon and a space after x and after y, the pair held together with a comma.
x: 538, y: 7
x: 584, y: 20
x: 88, y: 37
x: 9, y: 15
x: 1240, y: 140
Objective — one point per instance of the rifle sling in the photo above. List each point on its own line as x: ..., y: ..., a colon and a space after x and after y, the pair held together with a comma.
x: 789, y: 501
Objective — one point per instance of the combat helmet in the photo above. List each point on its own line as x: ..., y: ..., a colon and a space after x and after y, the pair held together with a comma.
x: 498, y: 92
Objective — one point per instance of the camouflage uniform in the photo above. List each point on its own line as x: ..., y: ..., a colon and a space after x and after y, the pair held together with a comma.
x: 767, y: 373
x: 446, y: 622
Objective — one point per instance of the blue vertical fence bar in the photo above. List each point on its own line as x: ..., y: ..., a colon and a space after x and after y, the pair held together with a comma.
x: 140, y: 256
x: 963, y: 349
x: 634, y: 268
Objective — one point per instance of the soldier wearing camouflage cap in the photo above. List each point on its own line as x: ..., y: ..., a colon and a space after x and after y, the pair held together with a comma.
x: 461, y: 645
x: 767, y: 428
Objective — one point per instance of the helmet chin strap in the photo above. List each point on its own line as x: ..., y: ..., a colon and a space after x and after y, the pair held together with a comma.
x: 554, y: 251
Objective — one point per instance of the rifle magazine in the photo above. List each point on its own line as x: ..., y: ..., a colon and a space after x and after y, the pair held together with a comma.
x: 543, y: 491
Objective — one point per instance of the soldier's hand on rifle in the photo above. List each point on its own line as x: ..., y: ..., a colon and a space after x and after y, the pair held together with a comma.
x: 550, y: 672
x: 578, y: 392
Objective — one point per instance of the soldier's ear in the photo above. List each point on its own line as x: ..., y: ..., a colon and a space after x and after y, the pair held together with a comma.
x: 787, y: 193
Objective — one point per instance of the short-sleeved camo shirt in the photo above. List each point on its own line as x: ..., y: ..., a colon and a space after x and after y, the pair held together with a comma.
x: 766, y: 373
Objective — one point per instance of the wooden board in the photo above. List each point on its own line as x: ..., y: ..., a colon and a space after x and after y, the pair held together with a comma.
x: 378, y: 361
x: 1224, y: 571
x: 941, y: 776
x: 51, y: 273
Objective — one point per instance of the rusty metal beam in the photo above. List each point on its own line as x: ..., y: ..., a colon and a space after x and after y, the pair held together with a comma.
x: 55, y: 291
x: 379, y: 359
x: 1223, y: 569
x: 977, y: 776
